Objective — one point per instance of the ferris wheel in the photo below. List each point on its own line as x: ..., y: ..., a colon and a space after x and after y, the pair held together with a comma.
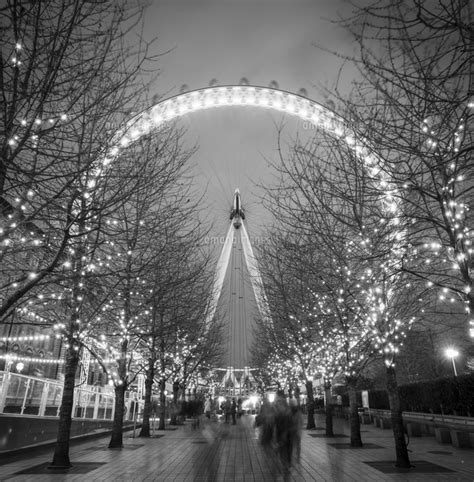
x: 237, y: 247
x: 237, y: 264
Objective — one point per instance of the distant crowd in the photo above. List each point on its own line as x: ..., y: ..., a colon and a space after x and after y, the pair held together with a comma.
x: 279, y: 423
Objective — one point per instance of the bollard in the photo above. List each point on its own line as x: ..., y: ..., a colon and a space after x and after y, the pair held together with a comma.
x: 413, y: 429
x: 443, y: 435
x: 460, y: 439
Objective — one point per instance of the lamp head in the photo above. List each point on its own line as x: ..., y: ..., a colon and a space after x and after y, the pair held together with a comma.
x: 451, y: 352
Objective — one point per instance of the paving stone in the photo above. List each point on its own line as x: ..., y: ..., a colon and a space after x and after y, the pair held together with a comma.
x: 226, y: 453
x: 417, y: 467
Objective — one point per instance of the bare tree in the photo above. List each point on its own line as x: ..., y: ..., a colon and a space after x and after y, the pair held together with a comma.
x: 163, y: 280
x: 198, y: 339
x: 66, y: 77
x: 292, y: 342
x: 413, y: 108
x: 134, y: 237
x: 177, y: 337
x: 94, y: 276
x: 341, y: 212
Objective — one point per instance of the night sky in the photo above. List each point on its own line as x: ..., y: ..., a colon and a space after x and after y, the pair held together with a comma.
x: 262, y: 40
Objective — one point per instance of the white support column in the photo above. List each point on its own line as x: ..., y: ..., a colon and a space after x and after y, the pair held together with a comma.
x: 44, y: 399
x: 140, y: 385
x: 60, y: 398
x: 113, y: 408
x: 96, y: 404
x: 85, y: 364
x: 128, y: 405
x: 105, y: 407
x: 86, y: 397
x: 5, y: 386
x: 23, y: 406
x: 75, y: 398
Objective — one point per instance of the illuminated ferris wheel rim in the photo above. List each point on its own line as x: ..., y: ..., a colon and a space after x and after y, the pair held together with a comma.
x: 297, y: 105
x: 304, y: 108
x: 242, y: 95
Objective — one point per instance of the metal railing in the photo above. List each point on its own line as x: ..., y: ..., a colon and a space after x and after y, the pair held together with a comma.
x: 26, y: 395
x: 429, y: 418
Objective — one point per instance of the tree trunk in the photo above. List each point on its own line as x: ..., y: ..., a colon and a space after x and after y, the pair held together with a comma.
x: 174, y: 414
x: 329, y: 425
x: 3, y: 165
x: 356, y: 440
x: 470, y: 295
x: 297, y: 396
x: 61, y: 450
x: 116, y: 440
x: 161, y: 426
x: 145, y: 430
x: 309, y: 393
x: 397, y: 420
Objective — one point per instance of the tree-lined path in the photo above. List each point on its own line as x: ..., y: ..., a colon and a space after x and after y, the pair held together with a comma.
x: 220, y: 452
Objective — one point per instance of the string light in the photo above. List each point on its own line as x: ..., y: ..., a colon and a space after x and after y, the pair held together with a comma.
x: 49, y: 361
x: 24, y: 338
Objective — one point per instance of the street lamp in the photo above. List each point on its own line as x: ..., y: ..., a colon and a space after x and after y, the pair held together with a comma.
x: 452, y: 353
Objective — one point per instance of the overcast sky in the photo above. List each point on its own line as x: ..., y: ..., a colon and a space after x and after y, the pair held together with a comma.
x: 262, y: 40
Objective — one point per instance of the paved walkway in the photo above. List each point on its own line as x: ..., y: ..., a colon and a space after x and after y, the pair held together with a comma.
x: 220, y: 452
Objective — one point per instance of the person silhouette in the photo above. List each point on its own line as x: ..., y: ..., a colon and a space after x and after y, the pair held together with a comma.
x: 295, y: 430
x: 233, y: 411
x: 283, y: 432
x: 227, y: 407
x: 266, y: 421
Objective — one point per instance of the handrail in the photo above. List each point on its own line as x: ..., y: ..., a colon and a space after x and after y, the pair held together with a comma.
x: 25, y: 395
x: 434, y: 418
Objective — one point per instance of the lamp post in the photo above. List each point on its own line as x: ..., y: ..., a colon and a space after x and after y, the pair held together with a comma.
x: 452, y: 353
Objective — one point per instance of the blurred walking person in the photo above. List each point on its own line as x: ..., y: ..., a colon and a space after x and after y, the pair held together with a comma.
x: 295, y: 430
x: 284, y: 441
x: 207, y: 408
x: 266, y: 421
x: 227, y: 408
x: 233, y: 411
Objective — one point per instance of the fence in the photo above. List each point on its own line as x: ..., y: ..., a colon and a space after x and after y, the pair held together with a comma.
x: 26, y: 395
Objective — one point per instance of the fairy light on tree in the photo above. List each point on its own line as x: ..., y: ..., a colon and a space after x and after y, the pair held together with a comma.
x: 126, y: 256
x: 36, y: 196
x: 294, y: 337
x: 178, y: 339
x: 81, y: 264
x: 424, y: 111
x: 350, y: 249
x: 56, y: 109
x: 327, y: 365
x: 345, y: 341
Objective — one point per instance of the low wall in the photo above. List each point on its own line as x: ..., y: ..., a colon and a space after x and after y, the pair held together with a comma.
x: 430, y: 419
x: 20, y: 431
